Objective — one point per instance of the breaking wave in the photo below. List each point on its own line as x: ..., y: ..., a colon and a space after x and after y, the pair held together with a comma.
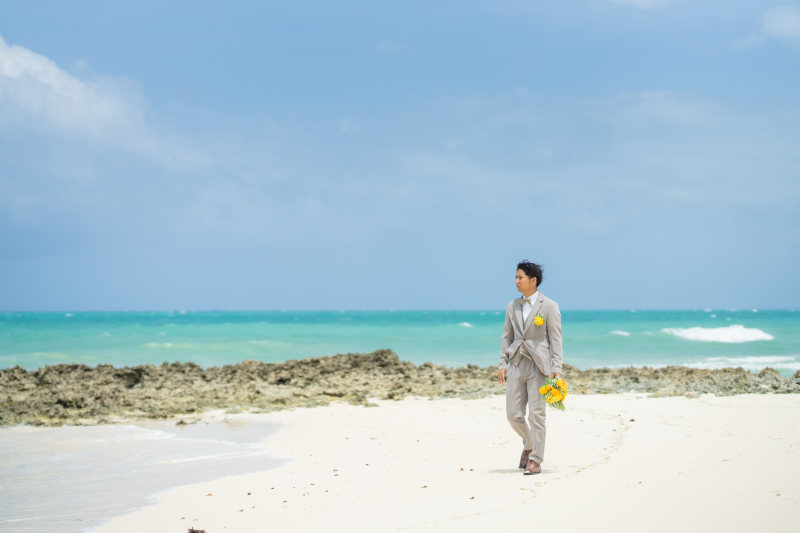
x: 730, y: 334
x: 753, y: 363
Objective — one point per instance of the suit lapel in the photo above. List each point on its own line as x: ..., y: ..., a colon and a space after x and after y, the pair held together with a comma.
x: 537, y: 306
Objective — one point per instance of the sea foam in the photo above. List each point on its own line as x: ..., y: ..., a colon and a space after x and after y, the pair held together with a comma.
x: 753, y: 363
x: 622, y: 333
x: 730, y: 334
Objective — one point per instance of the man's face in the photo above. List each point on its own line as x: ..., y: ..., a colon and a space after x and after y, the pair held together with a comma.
x: 525, y: 285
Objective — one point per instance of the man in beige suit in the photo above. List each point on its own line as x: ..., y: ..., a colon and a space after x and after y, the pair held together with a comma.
x: 530, y: 351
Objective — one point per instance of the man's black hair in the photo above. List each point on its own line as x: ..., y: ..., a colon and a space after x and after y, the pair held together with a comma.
x: 532, y: 270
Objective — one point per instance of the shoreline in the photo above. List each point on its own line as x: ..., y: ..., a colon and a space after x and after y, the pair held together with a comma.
x: 104, y: 471
x: 73, y: 394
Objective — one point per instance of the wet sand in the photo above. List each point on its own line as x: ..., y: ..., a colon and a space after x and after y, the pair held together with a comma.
x: 69, y: 478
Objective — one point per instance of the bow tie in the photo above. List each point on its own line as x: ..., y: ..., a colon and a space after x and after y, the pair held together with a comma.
x: 523, y: 301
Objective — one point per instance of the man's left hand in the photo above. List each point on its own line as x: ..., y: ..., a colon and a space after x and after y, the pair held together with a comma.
x: 555, y: 375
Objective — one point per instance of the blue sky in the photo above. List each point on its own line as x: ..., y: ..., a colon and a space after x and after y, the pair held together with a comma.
x: 399, y: 155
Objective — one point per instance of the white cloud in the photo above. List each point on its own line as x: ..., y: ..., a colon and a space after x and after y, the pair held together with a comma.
x: 782, y: 22
x: 642, y: 4
x: 33, y: 87
x: 37, y: 95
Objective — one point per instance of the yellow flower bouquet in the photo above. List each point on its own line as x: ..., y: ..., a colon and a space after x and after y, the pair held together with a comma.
x: 555, y: 392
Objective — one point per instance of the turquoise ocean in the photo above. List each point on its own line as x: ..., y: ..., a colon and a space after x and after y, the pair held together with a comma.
x: 752, y: 339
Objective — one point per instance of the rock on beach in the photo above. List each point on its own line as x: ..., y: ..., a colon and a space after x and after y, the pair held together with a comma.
x: 79, y: 394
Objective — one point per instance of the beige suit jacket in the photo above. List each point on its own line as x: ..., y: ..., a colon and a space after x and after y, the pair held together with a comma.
x: 543, y: 342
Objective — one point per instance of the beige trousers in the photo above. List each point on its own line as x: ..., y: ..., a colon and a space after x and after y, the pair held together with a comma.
x: 523, y: 382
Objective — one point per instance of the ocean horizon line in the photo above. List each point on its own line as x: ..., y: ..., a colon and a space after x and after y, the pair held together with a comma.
x: 476, y: 310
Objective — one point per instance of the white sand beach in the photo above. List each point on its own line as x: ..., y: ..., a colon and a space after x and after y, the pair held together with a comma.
x: 619, y: 462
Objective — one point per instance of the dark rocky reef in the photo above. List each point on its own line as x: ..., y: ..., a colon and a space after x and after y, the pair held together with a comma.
x: 80, y: 394
x: 680, y: 381
x: 73, y: 393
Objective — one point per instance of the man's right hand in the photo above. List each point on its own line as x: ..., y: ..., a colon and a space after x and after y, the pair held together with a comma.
x: 502, y: 376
